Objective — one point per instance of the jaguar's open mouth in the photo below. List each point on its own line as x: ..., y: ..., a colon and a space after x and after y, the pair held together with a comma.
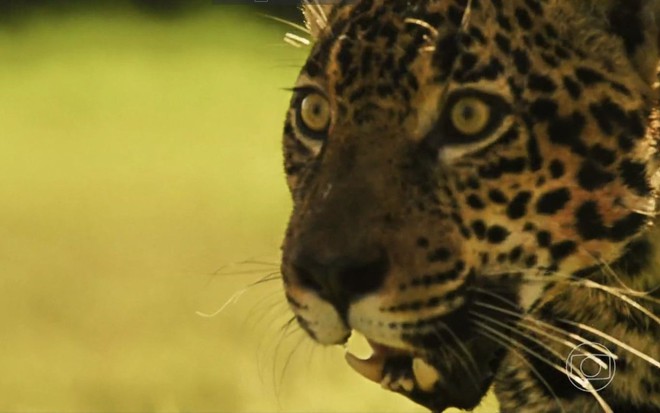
x: 373, y: 368
x: 431, y: 378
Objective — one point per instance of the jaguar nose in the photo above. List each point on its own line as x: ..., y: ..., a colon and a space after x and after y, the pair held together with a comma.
x: 341, y: 279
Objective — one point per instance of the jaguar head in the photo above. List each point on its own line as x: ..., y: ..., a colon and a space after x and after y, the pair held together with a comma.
x: 449, y: 160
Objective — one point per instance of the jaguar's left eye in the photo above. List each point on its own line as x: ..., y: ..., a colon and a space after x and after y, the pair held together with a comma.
x: 314, y: 114
x: 470, y: 115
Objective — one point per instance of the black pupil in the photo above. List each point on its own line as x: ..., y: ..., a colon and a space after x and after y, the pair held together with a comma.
x: 468, y: 113
x: 317, y: 110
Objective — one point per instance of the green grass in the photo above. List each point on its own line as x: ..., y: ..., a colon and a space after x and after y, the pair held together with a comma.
x: 137, y: 157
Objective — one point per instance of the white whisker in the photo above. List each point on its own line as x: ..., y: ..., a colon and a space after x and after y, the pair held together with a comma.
x: 616, y: 341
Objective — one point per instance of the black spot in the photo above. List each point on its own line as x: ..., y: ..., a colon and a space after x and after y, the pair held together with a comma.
x: 513, y: 165
x: 589, y: 222
x: 497, y: 196
x: 541, y: 83
x: 533, y: 152
x: 620, y: 88
x: 518, y: 207
x: 515, y: 254
x: 497, y: 234
x: 422, y: 242
x: 504, y: 22
x: 473, y: 183
x: 521, y: 61
x: 634, y: 176
x: 567, y: 131
x: 524, y: 20
x: 553, y: 201
x: 439, y: 255
x: 541, y: 41
x: 531, y: 261
x: 625, y: 142
x: 367, y: 60
x: 312, y: 68
x: 503, y: 43
x: 562, y: 53
x: 467, y: 62
x: 444, y: 55
x: 637, y: 256
x: 628, y: 226
x: 602, y: 155
x: 479, y: 228
x: 625, y: 21
x: 550, y: 60
x: 592, y: 176
x: 541, y: 181
x: 544, y: 109
x: 574, y: 88
x: 551, y: 31
x: 534, y: 6
x: 562, y: 250
x: 606, y: 113
x: 544, y: 238
x: 557, y: 169
x: 477, y: 34
x: 588, y: 76
x: 493, y: 69
x: 455, y: 15
x: 475, y: 202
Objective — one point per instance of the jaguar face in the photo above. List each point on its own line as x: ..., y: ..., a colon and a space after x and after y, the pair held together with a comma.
x: 448, y: 158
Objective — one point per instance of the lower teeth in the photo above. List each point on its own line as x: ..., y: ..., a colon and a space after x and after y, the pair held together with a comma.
x: 372, y: 368
x: 425, y: 374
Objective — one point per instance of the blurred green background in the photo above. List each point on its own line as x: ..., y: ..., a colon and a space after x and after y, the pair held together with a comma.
x: 141, y: 184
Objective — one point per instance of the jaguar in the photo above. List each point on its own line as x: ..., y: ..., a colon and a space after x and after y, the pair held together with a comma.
x: 475, y: 188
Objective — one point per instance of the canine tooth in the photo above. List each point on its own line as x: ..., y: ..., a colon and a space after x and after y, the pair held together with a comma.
x: 425, y: 374
x: 371, y: 369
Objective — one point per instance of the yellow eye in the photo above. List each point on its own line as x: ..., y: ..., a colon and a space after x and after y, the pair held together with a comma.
x: 470, y: 115
x: 315, y: 112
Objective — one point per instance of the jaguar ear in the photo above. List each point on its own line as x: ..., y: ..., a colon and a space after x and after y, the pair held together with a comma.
x: 316, y: 16
x: 635, y: 22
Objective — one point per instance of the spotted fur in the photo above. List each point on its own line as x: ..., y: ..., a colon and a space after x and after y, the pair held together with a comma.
x: 499, y: 253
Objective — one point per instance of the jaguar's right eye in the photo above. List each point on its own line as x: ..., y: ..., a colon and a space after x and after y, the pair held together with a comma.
x: 314, y: 115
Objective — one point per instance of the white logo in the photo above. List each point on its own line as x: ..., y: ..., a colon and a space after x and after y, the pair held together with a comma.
x: 591, y: 366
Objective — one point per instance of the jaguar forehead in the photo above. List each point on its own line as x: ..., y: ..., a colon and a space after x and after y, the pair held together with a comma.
x: 386, y: 61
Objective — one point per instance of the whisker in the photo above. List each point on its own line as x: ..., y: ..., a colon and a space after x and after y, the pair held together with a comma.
x: 522, y: 358
x: 239, y: 294
x: 567, y: 343
x: 259, y: 262
x: 231, y: 301
x: 470, y: 371
x: 319, y: 8
x: 296, y: 41
x: 285, y: 22
x: 642, y: 295
x: 579, y: 379
x: 616, y: 341
x: 603, y: 264
x: 527, y: 336
x: 289, y: 358
x: 317, y: 11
